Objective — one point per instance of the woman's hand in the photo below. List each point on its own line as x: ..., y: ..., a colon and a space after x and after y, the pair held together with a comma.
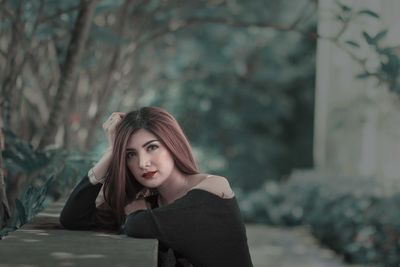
x: 98, y: 172
x: 139, y: 204
x: 110, y: 125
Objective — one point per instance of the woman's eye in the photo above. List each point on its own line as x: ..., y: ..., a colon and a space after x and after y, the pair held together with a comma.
x: 152, y: 147
x: 130, y: 155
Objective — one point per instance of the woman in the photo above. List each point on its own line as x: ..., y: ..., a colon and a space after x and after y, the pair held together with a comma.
x: 153, y: 189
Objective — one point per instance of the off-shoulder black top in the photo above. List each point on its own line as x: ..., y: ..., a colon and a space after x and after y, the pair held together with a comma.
x: 199, y: 229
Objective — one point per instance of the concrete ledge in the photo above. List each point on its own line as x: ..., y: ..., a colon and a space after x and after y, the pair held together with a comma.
x: 43, y: 242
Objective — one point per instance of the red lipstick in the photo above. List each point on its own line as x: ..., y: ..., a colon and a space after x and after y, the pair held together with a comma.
x: 148, y: 175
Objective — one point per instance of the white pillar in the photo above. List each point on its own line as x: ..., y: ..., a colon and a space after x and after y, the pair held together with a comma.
x: 357, y: 124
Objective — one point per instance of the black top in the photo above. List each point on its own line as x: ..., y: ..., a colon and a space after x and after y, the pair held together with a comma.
x: 200, y: 227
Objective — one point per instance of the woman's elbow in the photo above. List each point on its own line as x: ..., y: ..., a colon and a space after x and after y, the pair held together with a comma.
x: 129, y: 229
x: 66, y: 220
x: 134, y: 225
x: 69, y: 221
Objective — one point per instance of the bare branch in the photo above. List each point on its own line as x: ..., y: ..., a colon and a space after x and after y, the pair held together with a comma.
x: 242, y: 24
x: 58, y: 14
x: 302, y: 14
x: 35, y: 26
x: 173, y: 27
x: 69, y: 70
x: 3, y: 54
x: 7, y: 11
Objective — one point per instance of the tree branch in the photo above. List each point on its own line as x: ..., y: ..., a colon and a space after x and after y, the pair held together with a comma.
x: 302, y: 14
x: 69, y: 70
x: 43, y: 19
x: 178, y: 25
x: 245, y: 24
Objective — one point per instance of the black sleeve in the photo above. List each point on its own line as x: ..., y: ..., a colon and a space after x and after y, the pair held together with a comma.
x: 140, y: 224
x: 160, y: 223
x: 79, y: 212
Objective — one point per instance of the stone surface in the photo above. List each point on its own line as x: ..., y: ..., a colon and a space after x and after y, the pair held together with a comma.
x: 43, y: 242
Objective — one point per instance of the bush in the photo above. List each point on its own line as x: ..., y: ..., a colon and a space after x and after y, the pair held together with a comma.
x: 48, y: 175
x: 351, y: 215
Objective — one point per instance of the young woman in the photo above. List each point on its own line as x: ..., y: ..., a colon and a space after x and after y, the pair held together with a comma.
x: 150, y: 187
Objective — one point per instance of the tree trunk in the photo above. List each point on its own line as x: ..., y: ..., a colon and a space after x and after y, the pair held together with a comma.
x: 69, y: 71
x: 13, y: 66
x: 106, y: 90
x: 4, y: 207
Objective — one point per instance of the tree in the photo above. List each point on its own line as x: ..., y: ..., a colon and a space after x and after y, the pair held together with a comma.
x: 69, y: 70
x: 4, y: 207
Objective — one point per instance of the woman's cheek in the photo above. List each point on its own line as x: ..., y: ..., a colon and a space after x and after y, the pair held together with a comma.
x: 131, y: 167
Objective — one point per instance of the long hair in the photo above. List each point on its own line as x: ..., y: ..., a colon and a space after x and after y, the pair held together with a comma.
x: 120, y: 186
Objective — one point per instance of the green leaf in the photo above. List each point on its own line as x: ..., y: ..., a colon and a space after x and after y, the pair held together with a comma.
x: 370, y: 40
x: 352, y: 43
x: 369, y: 13
x: 343, y: 7
x: 21, y: 212
x: 363, y: 76
x: 395, y: 87
x: 340, y: 18
x: 380, y: 36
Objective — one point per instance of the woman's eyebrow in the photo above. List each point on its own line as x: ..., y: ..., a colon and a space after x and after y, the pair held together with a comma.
x: 148, y: 142
x: 145, y: 144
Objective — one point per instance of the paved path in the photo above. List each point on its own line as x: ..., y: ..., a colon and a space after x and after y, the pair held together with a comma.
x: 288, y: 247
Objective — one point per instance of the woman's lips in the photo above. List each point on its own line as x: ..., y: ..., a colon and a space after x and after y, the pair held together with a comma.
x: 148, y: 175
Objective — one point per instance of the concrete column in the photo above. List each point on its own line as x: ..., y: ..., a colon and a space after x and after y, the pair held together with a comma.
x: 357, y: 122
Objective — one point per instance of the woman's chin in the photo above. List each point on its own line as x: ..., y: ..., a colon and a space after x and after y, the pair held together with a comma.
x: 150, y: 183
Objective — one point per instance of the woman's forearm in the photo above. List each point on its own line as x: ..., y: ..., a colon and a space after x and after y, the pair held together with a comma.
x: 100, y: 168
x: 79, y: 211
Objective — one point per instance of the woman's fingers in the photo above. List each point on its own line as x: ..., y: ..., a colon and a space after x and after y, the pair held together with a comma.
x: 113, y: 119
x: 121, y: 114
x: 111, y: 124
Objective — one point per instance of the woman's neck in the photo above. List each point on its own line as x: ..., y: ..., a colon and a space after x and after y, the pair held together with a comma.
x: 173, y: 188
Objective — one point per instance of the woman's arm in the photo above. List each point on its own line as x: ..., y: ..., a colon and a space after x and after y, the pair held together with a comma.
x: 97, y: 173
x: 140, y: 224
x: 79, y: 212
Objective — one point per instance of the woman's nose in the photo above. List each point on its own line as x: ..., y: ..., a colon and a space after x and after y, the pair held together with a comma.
x: 144, y: 162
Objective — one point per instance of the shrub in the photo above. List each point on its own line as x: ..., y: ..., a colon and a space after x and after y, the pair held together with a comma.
x: 351, y: 215
x: 48, y: 174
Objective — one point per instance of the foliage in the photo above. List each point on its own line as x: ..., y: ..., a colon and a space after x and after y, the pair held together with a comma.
x: 247, y: 104
x: 228, y: 65
x: 50, y: 175
x: 254, y: 78
x: 382, y: 62
x: 351, y: 215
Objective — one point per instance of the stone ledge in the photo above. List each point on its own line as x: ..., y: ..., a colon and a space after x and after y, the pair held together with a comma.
x: 44, y: 242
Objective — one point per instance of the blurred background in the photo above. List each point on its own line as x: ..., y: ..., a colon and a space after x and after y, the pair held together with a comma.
x: 295, y: 102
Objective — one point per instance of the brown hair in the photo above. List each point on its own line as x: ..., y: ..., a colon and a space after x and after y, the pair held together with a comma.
x: 120, y: 186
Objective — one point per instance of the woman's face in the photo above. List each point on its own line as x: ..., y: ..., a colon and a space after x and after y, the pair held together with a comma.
x: 148, y: 159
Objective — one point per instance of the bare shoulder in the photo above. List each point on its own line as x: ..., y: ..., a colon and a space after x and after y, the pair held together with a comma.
x: 217, y: 185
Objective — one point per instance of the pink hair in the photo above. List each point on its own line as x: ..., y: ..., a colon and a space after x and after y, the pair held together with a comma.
x: 120, y: 186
